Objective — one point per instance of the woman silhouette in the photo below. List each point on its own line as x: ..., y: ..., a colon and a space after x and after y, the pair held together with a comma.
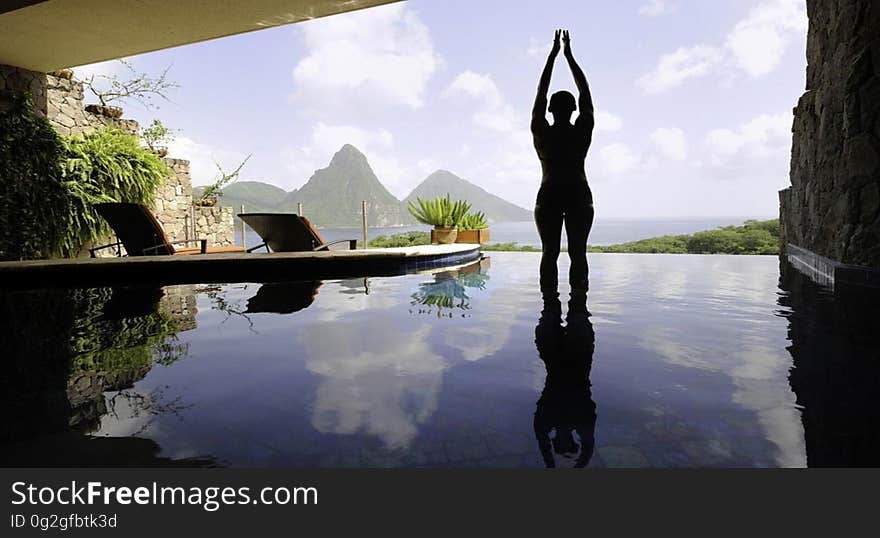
x: 564, y: 195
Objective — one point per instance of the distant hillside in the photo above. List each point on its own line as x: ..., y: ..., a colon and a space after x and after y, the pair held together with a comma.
x: 255, y: 195
x: 332, y: 196
x: 496, y: 209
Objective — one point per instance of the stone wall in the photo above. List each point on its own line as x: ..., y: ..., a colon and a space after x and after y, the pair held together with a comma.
x: 17, y: 80
x: 60, y: 100
x: 173, y: 201
x: 832, y: 205
x: 216, y: 225
x: 65, y: 109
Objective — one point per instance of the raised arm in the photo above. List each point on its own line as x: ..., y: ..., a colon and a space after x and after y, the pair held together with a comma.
x: 585, y: 100
x: 539, y: 111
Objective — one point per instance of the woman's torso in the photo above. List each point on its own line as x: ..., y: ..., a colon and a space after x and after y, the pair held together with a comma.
x: 562, y: 150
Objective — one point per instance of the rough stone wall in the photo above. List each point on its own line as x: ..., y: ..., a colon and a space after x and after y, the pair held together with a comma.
x: 60, y: 100
x: 173, y: 200
x: 216, y: 225
x: 65, y: 109
x: 17, y: 80
x: 832, y: 205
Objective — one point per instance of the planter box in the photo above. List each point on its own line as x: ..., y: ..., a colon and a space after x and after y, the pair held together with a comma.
x: 473, y: 236
x: 435, y: 235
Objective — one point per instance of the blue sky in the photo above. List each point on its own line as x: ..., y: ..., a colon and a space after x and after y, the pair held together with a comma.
x: 693, y: 98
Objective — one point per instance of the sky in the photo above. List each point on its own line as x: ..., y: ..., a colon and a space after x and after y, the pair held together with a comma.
x: 693, y: 99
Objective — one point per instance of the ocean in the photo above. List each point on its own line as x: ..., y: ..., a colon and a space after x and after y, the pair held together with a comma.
x: 604, y: 232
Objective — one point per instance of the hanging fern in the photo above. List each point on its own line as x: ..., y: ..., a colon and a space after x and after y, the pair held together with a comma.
x: 106, y: 166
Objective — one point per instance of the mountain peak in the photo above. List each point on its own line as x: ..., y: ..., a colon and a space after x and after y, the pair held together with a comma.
x: 348, y: 152
x: 496, y: 209
x: 441, y: 173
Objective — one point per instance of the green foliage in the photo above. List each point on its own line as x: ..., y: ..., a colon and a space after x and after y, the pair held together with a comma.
x: 447, y: 293
x: 509, y: 247
x: 215, y: 190
x: 667, y: 244
x: 408, y: 239
x: 753, y: 237
x: 473, y: 221
x: 441, y: 211
x: 156, y: 135
x: 33, y: 202
x: 48, y: 183
x: 106, y: 166
x: 119, y: 347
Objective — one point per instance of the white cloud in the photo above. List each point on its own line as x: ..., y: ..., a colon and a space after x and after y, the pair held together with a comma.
x: 203, y: 159
x: 475, y: 85
x: 675, y: 68
x: 654, y: 8
x: 355, y: 392
x: 329, y: 138
x: 494, y: 113
x: 755, y: 46
x: 606, y: 121
x: 380, y: 55
x: 758, y: 150
x: 671, y: 143
x: 759, y: 41
x: 538, y: 48
x: 617, y: 159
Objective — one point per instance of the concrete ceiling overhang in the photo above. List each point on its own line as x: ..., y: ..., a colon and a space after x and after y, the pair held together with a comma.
x: 53, y: 34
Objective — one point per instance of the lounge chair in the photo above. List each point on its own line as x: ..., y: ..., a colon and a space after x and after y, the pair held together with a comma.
x: 137, y: 230
x: 288, y: 232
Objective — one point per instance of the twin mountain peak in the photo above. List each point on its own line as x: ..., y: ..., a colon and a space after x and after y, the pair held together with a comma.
x: 332, y: 196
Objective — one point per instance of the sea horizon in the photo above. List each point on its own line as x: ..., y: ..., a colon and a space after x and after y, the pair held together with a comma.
x: 605, y: 231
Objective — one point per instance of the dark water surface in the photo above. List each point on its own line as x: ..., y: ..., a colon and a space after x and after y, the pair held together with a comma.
x: 685, y: 361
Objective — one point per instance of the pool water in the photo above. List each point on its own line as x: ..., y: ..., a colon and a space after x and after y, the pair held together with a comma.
x: 680, y: 361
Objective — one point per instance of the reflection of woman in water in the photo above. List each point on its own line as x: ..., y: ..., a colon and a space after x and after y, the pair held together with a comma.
x: 566, y: 403
x: 564, y: 194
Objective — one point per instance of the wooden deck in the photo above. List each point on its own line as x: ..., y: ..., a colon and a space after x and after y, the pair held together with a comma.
x: 232, y: 267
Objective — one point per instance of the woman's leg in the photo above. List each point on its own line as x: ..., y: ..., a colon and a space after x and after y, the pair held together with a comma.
x: 578, y: 223
x: 549, y: 222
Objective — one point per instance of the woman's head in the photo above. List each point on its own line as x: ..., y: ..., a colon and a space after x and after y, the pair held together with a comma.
x: 562, y: 105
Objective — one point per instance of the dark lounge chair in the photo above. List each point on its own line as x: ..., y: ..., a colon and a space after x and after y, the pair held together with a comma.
x: 288, y: 232
x: 137, y: 230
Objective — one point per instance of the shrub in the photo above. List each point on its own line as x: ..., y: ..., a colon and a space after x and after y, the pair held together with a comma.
x: 106, y: 166
x: 408, y: 239
x: 34, y: 202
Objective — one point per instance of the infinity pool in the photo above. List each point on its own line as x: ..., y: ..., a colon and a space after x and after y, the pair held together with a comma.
x: 681, y: 361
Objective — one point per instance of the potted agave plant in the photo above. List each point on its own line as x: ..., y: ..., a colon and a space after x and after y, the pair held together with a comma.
x: 441, y: 213
x: 473, y: 228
